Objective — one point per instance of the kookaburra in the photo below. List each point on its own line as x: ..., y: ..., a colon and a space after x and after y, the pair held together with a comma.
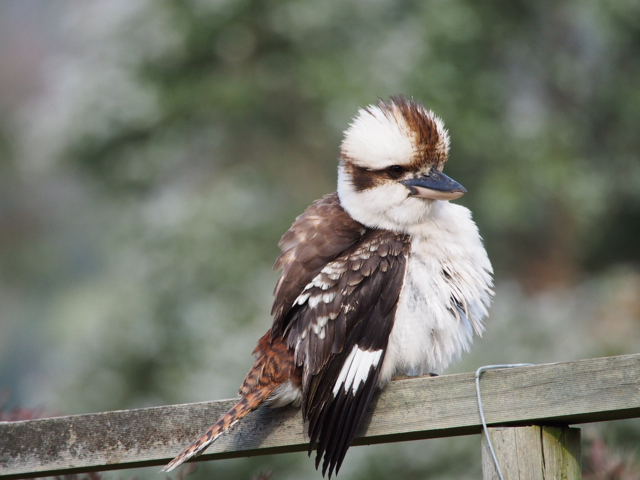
x: 382, y: 278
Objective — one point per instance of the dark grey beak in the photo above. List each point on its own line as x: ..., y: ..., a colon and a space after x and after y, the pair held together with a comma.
x: 435, y: 186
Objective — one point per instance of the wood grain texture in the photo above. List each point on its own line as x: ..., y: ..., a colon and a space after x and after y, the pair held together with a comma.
x: 519, y: 453
x: 563, y: 393
x: 533, y: 453
x: 561, y: 452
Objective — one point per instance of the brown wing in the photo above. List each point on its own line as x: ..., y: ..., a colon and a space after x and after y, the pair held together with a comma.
x: 318, y: 236
x: 339, y: 328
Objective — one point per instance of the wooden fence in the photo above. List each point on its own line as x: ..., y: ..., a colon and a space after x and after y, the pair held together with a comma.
x: 547, y: 396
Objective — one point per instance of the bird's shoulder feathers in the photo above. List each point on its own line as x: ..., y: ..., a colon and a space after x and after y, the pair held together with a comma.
x: 318, y: 236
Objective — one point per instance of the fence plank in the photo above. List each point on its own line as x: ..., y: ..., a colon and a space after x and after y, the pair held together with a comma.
x: 563, y: 393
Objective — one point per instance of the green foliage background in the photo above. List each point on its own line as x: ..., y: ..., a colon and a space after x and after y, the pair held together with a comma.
x: 145, y: 182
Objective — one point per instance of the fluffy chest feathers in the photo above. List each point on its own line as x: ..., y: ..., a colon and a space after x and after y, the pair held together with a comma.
x: 445, y: 294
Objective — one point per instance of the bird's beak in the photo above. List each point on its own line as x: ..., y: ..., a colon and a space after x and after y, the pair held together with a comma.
x: 435, y: 186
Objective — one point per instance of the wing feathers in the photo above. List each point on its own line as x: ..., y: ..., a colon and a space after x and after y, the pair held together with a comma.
x: 339, y: 327
x: 336, y: 424
x: 334, y: 307
x: 318, y: 236
x: 357, y: 412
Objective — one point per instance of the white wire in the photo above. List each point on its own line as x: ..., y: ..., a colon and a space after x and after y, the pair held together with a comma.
x: 484, y: 422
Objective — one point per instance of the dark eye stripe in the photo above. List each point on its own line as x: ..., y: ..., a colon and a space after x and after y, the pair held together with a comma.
x: 365, y: 179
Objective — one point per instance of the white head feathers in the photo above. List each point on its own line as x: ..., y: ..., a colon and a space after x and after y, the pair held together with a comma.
x: 398, y: 132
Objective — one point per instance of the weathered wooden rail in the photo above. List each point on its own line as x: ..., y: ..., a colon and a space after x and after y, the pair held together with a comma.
x: 556, y: 394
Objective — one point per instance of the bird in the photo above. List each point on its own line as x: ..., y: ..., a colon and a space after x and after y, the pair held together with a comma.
x: 384, y: 277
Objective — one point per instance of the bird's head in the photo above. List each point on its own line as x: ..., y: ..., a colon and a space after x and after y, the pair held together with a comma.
x: 391, y: 162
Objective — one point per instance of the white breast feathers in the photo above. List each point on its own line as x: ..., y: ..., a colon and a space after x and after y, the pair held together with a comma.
x: 445, y: 295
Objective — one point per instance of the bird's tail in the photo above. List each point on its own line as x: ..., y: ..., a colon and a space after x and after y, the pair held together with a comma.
x: 247, y: 403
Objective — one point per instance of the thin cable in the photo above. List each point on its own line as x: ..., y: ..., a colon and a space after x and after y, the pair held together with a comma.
x: 484, y: 422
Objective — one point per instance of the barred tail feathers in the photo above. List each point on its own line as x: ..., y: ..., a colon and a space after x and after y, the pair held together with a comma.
x: 247, y: 404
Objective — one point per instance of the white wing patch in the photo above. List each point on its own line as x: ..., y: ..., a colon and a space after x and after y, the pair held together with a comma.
x: 356, y: 369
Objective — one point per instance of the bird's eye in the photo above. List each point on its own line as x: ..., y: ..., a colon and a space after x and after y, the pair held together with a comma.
x: 395, y: 171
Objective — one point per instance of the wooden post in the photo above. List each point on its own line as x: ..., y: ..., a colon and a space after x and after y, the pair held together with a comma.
x: 533, y: 453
